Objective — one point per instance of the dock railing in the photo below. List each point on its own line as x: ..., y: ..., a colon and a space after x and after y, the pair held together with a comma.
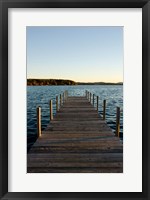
x: 118, y: 110
x: 60, y: 100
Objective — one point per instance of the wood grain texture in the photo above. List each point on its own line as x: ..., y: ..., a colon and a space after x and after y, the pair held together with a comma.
x: 77, y: 140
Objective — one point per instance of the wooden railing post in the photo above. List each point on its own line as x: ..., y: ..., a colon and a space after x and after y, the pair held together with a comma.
x: 60, y: 100
x: 39, y: 121
x: 56, y: 103
x: 51, y: 110
x: 118, y: 122
x: 97, y: 102
x: 93, y: 99
x: 104, y: 109
x: 63, y: 97
x: 90, y: 97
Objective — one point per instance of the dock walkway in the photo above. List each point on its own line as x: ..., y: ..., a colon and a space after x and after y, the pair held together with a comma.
x: 77, y: 140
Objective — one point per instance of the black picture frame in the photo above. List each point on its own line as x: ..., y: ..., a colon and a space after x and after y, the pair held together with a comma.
x: 4, y: 6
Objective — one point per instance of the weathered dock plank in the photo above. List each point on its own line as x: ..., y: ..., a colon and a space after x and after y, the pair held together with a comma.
x: 77, y: 140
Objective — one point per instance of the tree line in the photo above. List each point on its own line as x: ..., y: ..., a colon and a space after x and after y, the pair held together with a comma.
x: 50, y: 82
x: 64, y: 82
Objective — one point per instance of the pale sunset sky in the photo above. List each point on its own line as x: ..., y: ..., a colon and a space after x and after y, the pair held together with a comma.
x: 81, y: 54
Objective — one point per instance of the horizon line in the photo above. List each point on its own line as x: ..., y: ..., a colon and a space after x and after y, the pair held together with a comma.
x: 76, y: 81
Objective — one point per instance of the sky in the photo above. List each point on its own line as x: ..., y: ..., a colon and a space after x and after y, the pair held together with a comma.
x: 81, y: 54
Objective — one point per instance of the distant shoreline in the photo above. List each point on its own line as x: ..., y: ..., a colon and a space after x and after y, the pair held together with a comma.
x: 99, y: 83
x: 46, y: 82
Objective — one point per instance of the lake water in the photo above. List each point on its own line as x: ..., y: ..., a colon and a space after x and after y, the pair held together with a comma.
x: 41, y: 95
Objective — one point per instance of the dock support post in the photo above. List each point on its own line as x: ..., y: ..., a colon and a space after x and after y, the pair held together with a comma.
x: 63, y: 97
x: 56, y: 103
x: 90, y: 97
x: 97, y: 102
x: 104, y: 109
x: 118, y: 122
x: 93, y: 99
x: 60, y: 100
x: 51, y: 110
x: 39, y: 121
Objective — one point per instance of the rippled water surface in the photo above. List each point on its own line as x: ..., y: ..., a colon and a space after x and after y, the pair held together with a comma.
x: 41, y: 95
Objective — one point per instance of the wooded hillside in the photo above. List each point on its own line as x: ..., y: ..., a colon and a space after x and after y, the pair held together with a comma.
x: 50, y: 82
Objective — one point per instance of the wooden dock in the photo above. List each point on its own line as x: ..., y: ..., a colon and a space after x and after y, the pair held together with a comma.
x: 77, y: 140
